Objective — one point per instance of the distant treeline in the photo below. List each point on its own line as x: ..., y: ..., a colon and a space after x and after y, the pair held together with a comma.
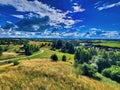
x: 13, y: 41
x: 66, y: 47
x: 30, y: 49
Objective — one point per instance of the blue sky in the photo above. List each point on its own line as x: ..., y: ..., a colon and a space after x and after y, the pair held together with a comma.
x: 60, y: 19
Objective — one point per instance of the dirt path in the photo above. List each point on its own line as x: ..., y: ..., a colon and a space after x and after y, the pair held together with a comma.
x: 41, y: 51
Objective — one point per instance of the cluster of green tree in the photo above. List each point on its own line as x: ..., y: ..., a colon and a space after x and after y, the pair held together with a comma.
x: 107, y: 48
x: 30, y: 49
x: 1, y: 50
x: 54, y: 58
x: 87, y: 70
x: 95, y: 60
x: 66, y: 47
x: 113, y: 73
x: 13, y: 41
x: 83, y: 55
x: 45, y: 44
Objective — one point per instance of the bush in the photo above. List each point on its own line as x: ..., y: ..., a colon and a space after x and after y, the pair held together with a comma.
x: 64, y: 58
x: 8, y: 61
x: 115, y: 75
x: 97, y: 77
x: 88, y: 70
x: 106, y: 72
x: 53, y: 49
x: 54, y: 57
x: 15, y: 63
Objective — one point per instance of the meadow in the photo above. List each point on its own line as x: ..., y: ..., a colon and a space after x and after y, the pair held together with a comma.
x: 38, y: 72
x: 113, y: 44
x: 43, y: 74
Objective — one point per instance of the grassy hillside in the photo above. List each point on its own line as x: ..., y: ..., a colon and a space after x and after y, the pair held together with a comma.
x: 47, y: 53
x: 37, y: 72
x: 43, y: 74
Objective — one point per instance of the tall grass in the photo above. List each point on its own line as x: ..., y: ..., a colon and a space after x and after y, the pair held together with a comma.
x: 46, y: 75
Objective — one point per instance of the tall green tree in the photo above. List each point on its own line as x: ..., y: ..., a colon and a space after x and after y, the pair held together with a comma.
x: 71, y: 49
x: 82, y: 56
x: 102, y: 62
x: 59, y: 44
x: 1, y: 50
x: 30, y: 49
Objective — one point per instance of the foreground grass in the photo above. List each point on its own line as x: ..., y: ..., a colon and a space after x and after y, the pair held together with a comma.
x: 43, y: 74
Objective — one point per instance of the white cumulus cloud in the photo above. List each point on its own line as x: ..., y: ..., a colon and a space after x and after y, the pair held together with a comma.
x: 78, y: 8
x: 56, y: 16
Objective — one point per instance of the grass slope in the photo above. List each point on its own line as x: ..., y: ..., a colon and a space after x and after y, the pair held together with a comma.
x: 47, y: 53
x: 43, y: 74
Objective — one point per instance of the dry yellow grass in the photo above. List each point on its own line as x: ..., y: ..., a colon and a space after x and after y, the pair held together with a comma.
x: 8, y: 55
x: 46, y: 75
x: 38, y: 43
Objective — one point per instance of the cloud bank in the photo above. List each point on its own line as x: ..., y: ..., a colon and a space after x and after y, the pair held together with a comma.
x: 56, y: 16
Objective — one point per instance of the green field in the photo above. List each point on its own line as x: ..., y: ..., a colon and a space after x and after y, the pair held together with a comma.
x: 47, y: 53
x: 113, y: 44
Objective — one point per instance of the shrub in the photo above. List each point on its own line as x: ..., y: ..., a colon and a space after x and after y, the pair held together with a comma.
x: 54, y: 57
x: 88, y: 70
x: 96, y: 76
x: 115, y: 75
x: 8, y: 61
x: 106, y: 72
x: 15, y: 63
x: 64, y: 58
x: 53, y: 49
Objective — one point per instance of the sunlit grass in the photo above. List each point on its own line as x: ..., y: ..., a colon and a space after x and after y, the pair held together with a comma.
x: 43, y: 74
x: 110, y: 43
x: 47, y: 54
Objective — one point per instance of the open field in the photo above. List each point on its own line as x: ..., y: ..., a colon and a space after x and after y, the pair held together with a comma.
x: 11, y: 47
x: 9, y: 55
x: 39, y: 43
x: 43, y: 74
x: 113, y: 44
